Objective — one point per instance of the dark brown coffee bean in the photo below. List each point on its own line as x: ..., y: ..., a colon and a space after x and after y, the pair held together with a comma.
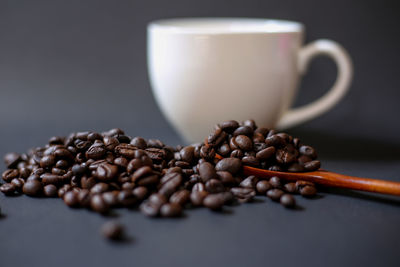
x: 57, y: 171
x: 112, y: 230
x: 18, y: 182
x: 283, y: 156
x: 94, y: 136
x: 258, y: 138
x: 237, y: 153
x: 290, y: 188
x: 155, y: 143
x: 244, y: 142
x: 308, y: 191
x: 187, y: 154
x: 99, y: 188
x: 106, y: 172
x: 47, y: 161
x: 182, y: 164
x: 261, y: 130
x: 126, y: 198
x: 121, y: 162
x: 126, y: 150
x: 207, y: 171
x: 250, y: 123
x: 87, y: 183
x: 214, y: 201
x: 207, y: 153
x: 171, y: 184
x: 288, y: 201
x: 32, y: 188
x: 249, y: 182
x: 198, y: 187
x: 63, y: 190
x: 149, y: 209
x: 139, y: 142
x: 171, y: 210
x: 295, y: 167
x: 141, y: 172
x: 71, y: 199
x: 157, y: 199
x: 110, y: 142
x: 308, y: 151
x: 111, y: 198
x: 243, y: 130
x: 226, y: 178
x: 263, y: 186
x: 180, y: 197
x: 243, y: 194
x: 275, y: 194
x: 275, y: 182
x: 300, y: 184
x: 8, y: 189
x: 98, y: 204
x: 275, y: 168
x: 197, y: 197
x: 250, y: 161
x: 11, y: 160
x: 140, y: 192
x: 231, y: 165
x: 303, y: 159
x: 24, y: 172
x: 229, y: 126
x: 275, y: 140
x: 96, y: 151
x: 214, y: 186
x: 266, y: 153
x: 10, y: 174
x: 50, y: 190
x: 224, y: 150
x: 312, y: 165
x: 49, y: 178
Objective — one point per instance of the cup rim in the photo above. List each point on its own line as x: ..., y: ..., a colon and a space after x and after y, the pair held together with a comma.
x: 225, y: 25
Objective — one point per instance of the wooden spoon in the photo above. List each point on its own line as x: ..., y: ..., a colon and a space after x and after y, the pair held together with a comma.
x: 327, y: 178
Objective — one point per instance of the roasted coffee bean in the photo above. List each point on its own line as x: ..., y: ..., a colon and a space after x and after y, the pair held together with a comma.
x: 112, y: 198
x: 237, y: 153
x: 263, y: 186
x: 141, y: 172
x: 261, y: 130
x: 128, y: 186
x: 71, y: 199
x: 229, y: 126
x: 139, y: 142
x: 224, y: 150
x: 126, y: 150
x: 265, y: 153
x: 49, y: 178
x: 207, y: 171
x: 275, y: 194
x: 243, y: 130
x: 149, y: 209
x: 249, y: 182
x: 275, y: 140
x: 140, y: 192
x: 182, y: 164
x: 312, y: 165
x: 275, y: 168
x: 106, y: 172
x: 8, y: 189
x: 214, y: 186
x: 187, y: 154
x: 243, y: 194
x: 214, y: 201
x: 87, y: 183
x: 62, y: 164
x: 275, y: 182
x: 157, y: 199
x: 258, y: 138
x: 11, y: 160
x: 94, y: 136
x: 112, y: 230
x: 308, y: 191
x: 57, y: 171
x: 63, y: 190
x: 18, y: 182
x: 244, y: 142
x: 24, y: 172
x: 171, y: 210
x: 121, y: 162
x: 250, y: 160
x: 180, y: 197
x: 96, y: 151
x: 207, y: 153
x: 99, y: 188
x: 285, y: 157
x: 47, y: 161
x: 197, y: 197
x: 198, y: 187
x: 231, y: 165
x: 170, y: 186
x: 127, y: 198
x: 288, y: 201
x: 78, y: 169
x: 32, y: 188
x: 110, y: 142
x: 308, y: 151
x: 290, y: 188
x: 300, y: 184
x: 226, y: 178
x: 10, y: 174
x: 50, y: 190
x: 296, y: 167
x: 98, y: 204
x: 155, y: 143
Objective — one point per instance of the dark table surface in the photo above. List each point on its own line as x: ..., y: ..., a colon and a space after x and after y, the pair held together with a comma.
x: 71, y: 66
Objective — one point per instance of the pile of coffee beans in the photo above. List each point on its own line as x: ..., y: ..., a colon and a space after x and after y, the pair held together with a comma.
x: 101, y: 171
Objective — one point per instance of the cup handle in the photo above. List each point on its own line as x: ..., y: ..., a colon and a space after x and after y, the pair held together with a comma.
x: 345, y: 73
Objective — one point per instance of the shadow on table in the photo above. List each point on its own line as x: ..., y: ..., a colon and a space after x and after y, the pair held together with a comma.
x: 332, y: 146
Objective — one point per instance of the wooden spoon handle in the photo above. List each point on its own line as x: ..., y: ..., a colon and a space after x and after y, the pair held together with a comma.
x: 332, y: 179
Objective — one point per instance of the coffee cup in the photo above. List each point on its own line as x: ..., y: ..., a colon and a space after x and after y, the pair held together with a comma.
x: 206, y: 70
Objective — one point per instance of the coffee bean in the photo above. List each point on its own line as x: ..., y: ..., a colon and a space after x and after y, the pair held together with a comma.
x: 244, y: 142
x: 214, y: 201
x: 8, y: 189
x: 96, y: 151
x: 263, y: 186
x: 290, y: 188
x: 47, y: 161
x: 229, y: 126
x: 171, y: 210
x: 140, y: 192
x: 226, y: 178
x: 224, y: 150
x: 99, y: 188
x: 308, y: 151
x: 50, y: 190
x: 237, y: 153
x: 275, y: 168
x: 243, y: 130
x: 187, y: 154
x: 149, y: 209
x: 207, y: 171
x: 180, y: 197
x: 170, y: 182
x: 275, y: 140
x: 126, y: 198
x: 65, y: 188
x: 32, y: 188
x: 98, y: 204
x: 312, y: 165
x: 198, y: 187
x: 49, y: 178
x: 110, y: 142
x: 10, y: 174
x: 155, y: 143
x: 308, y: 191
x: 197, y: 197
x: 141, y: 172
x: 214, y: 186
x: 261, y: 130
x: 106, y: 172
x: 275, y: 182
x: 250, y: 123
x: 295, y: 167
x: 288, y: 201
x: 18, y: 182
x: 112, y: 230
x: 275, y: 194
x: 266, y: 153
x: 11, y: 160
x: 231, y: 165
x: 300, y: 184
x: 249, y: 182
x: 207, y: 153
x: 285, y: 157
x: 139, y: 143
x: 94, y: 136
x: 250, y: 160
x: 243, y: 194
x: 71, y: 199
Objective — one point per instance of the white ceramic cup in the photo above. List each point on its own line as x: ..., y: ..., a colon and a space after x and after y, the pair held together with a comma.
x: 207, y: 70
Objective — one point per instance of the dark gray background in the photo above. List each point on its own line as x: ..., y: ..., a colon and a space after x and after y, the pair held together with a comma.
x: 81, y: 65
